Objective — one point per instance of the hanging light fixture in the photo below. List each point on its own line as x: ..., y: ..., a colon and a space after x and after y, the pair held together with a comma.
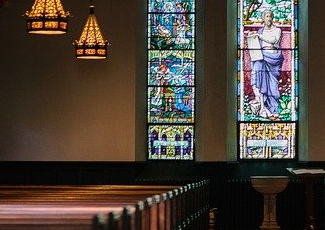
x: 91, y: 44
x: 47, y: 17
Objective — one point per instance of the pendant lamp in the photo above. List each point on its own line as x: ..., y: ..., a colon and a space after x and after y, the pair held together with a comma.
x: 47, y: 17
x: 91, y: 44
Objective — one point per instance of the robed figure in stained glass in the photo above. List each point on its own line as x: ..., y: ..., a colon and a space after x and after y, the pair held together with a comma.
x: 267, y: 78
x: 266, y: 71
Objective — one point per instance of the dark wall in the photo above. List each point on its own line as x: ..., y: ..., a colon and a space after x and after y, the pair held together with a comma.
x: 316, y: 81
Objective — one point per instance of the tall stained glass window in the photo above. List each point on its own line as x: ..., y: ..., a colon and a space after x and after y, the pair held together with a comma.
x: 171, y: 79
x: 267, y: 78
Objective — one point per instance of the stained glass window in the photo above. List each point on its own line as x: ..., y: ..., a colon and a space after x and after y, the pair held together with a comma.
x: 267, y: 78
x: 171, y: 79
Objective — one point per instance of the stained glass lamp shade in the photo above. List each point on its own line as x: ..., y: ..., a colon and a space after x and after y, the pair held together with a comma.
x: 91, y: 44
x: 47, y: 17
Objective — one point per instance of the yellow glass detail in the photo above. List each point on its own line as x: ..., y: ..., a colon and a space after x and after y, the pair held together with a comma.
x: 101, y: 51
x: 90, y: 51
x: 79, y: 51
x: 47, y: 17
x: 51, y: 24
x: 63, y: 25
x: 48, y: 9
x: 36, y: 25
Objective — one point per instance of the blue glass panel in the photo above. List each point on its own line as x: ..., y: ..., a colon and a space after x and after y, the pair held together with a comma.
x: 296, y: 60
x: 296, y: 11
x: 238, y: 64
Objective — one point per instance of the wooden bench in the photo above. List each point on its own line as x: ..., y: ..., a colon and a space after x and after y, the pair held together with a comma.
x: 184, y: 208
x: 101, y: 207
x: 70, y: 207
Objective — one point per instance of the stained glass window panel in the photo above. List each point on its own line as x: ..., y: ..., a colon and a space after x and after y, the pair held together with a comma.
x: 172, y: 67
x: 171, y: 24
x: 267, y: 79
x: 169, y: 32
x: 267, y: 140
x: 171, y: 142
x: 171, y: 104
x: 284, y: 15
x: 286, y: 104
x: 171, y: 79
x: 179, y: 6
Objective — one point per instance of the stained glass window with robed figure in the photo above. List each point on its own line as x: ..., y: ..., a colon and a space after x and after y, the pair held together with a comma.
x: 171, y: 79
x: 267, y: 78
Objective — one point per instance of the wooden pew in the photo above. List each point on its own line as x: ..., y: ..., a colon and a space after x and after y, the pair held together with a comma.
x: 102, y: 207
x: 183, y: 208
x: 66, y: 207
